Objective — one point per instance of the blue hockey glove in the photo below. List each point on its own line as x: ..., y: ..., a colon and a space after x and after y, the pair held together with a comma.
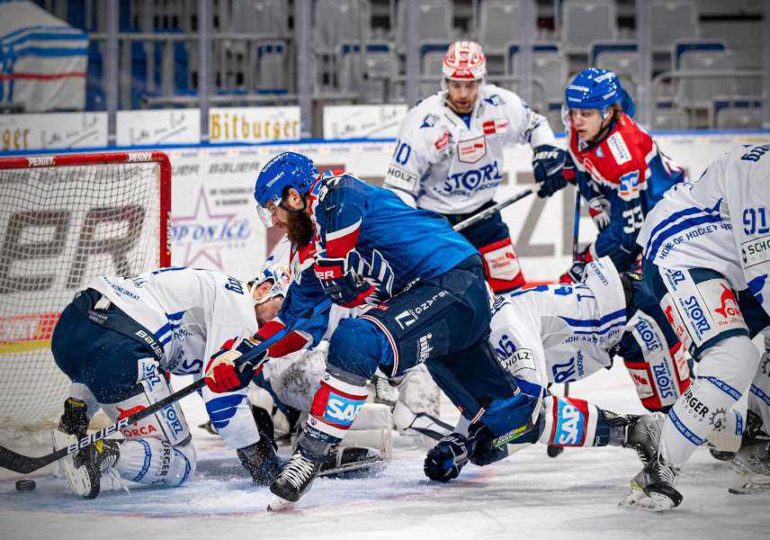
x: 341, y: 284
x: 484, y: 452
x: 548, y: 167
x: 445, y: 460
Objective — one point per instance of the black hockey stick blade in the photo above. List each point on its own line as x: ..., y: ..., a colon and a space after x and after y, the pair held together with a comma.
x: 26, y: 464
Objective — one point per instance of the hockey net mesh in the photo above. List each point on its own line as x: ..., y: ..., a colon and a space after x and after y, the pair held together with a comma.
x: 63, y: 222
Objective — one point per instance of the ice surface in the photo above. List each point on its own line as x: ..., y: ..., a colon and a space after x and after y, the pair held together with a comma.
x: 527, y: 496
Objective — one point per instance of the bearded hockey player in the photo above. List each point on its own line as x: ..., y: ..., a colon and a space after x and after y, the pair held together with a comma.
x: 564, y: 333
x: 707, y: 258
x: 617, y: 165
x: 449, y: 155
x: 119, y: 339
x: 430, y: 305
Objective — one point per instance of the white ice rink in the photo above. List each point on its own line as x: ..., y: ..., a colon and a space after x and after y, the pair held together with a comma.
x: 527, y: 496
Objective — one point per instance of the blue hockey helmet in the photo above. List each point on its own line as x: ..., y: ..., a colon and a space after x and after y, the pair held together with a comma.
x: 595, y: 88
x: 286, y: 170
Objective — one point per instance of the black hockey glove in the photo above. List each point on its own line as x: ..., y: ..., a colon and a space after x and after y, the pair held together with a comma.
x: 548, y: 167
x: 484, y: 452
x: 445, y: 460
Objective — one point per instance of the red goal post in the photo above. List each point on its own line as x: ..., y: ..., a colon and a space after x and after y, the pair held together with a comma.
x: 64, y: 220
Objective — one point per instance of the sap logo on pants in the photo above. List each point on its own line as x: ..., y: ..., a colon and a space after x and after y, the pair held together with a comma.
x: 341, y: 410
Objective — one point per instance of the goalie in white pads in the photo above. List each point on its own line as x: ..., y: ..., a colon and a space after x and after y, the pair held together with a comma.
x: 449, y: 155
x: 119, y: 339
x: 564, y: 333
x: 707, y: 258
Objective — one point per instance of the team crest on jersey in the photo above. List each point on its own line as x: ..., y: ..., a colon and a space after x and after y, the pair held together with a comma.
x: 430, y: 120
x: 629, y: 186
x: 472, y: 150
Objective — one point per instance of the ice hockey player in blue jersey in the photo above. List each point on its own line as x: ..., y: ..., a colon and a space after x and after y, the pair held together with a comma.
x: 428, y: 302
x: 617, y: 165
x: 119, y: 340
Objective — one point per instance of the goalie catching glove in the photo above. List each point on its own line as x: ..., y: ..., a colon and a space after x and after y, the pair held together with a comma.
x: 226, y: 373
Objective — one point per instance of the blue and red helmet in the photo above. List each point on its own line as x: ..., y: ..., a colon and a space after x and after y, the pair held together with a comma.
x: 595, y: 88
x: 286, y: 170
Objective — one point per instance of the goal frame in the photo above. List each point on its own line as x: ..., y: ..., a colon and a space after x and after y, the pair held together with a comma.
x: 77, y: 159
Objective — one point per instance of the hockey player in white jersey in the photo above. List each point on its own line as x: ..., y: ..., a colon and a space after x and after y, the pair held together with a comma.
x: 707, y: 258
x: 449, y: 155
x: 117, y: 342
x: 564, y: 333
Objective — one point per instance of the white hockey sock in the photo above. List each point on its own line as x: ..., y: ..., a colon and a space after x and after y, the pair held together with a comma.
x: 724, y: 373
x: 152, y: 461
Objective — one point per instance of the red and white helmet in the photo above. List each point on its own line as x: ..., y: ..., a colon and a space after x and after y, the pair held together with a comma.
x: 464, y: 61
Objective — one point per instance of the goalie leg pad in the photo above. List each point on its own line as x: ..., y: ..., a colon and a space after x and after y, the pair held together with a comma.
x: 156, y: 462
x: 169, y: 423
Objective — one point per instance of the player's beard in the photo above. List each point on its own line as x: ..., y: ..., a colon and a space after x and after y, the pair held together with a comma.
x: 299, y: 228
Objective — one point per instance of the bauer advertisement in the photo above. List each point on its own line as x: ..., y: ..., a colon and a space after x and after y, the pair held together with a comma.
x: 215, y: 224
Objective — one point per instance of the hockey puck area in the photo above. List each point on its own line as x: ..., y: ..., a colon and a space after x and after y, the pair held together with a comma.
x: 25, y: 485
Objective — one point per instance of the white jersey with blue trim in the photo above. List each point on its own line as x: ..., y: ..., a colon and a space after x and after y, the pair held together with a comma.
x: 560, y: 333
x: 452, y: 167
x: 192, y: 313
x: 720, y: 221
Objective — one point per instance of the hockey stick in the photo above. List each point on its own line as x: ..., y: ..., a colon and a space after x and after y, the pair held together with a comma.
x: 554, y: 451
x: 487, y: 212
x: 575, y: 245
x: 26, y: 464
x: 426, y: 424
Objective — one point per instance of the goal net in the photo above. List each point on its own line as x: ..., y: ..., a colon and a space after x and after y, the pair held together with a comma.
x: 63, y: 221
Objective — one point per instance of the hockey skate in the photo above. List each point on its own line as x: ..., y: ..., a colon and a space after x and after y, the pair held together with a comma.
x: 752, y: 467
x: 642, y: 434
x: 653, y: 488
x: 293, y: 481
x: 84, y: 469
x: 261, y: 460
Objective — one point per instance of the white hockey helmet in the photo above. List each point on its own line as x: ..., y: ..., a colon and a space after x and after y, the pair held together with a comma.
x: 464, y: 61
x: 279, y: 278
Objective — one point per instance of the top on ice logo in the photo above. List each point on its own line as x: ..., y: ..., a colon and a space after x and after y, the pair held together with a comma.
x: 204, y: 234
x: 728, y: 304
